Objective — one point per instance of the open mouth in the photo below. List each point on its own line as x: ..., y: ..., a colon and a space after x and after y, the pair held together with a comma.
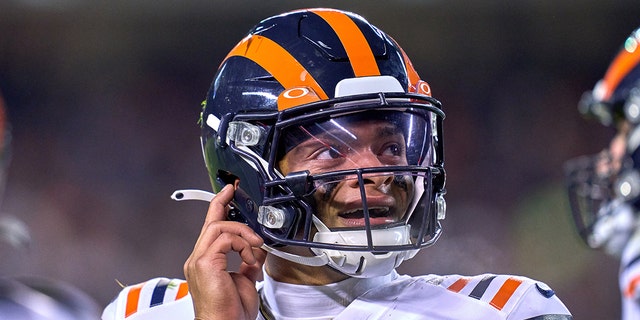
x: 377, y: 216
x: 373, y: 213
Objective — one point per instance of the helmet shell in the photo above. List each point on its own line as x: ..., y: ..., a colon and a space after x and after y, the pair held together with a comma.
x: 291, y: 65
x: 609, y: 98
x: 311, y: 48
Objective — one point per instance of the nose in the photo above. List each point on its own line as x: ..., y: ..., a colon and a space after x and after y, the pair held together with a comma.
x: 369, y: 160
x: 378, y: 180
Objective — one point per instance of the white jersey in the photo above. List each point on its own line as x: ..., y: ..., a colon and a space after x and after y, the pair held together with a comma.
x: 457, y: 297
x: 629, y: 279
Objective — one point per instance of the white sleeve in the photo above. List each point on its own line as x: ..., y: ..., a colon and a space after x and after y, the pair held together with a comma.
x: 156, y: 299
x: 538, y: 301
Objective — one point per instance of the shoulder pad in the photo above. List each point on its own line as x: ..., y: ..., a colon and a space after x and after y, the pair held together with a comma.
x: 157, y: 299
x: 509, y: 294
x: 496, y: 290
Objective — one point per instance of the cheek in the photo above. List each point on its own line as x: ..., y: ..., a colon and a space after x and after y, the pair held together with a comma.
x: 404, y: 187
x: 323, y: 199
x: 404, y: 184
x: 324, y: 193
x: 283, y: 166
x: 321, y: 207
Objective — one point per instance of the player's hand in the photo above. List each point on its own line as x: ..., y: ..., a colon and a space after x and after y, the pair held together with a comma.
x: 216, y: 292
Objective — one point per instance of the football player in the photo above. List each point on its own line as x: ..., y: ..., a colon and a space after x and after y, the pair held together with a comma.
x: 604, y: 188
x: 325, y: 149
x: 32, y: 297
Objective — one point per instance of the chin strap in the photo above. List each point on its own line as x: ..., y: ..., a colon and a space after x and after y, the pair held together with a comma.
x: 314, y: 261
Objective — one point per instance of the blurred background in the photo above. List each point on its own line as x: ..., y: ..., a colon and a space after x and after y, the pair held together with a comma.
x: 103, y: 98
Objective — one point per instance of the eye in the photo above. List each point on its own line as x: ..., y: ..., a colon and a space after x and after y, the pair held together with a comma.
x: 393, y: 154
x: 393, y: 149
x: 330, y: 153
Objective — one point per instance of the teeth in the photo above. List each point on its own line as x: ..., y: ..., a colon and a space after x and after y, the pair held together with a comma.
x: 373, y: 212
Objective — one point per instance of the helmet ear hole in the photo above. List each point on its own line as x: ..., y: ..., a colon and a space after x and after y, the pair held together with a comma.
x: 226, y: 177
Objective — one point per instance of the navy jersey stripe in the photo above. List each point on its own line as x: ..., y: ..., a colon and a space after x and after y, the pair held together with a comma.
x: 633, y: 261
x: 481, y: 287
x: 158, y: 293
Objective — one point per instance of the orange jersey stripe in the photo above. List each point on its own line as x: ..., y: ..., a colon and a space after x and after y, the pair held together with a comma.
x: 278, y: 62
x: 620, y: 67
x: 631, y: 288
x: 505, y: 292
x: 458, y: 285
x: 355, y: 44
x: 132, y: 300
x: 182, y: 290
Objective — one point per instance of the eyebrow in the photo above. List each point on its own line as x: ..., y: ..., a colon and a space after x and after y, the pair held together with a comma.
x: 389, y: 130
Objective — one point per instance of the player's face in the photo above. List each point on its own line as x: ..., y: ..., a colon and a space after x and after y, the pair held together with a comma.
x: 612, y: 157
x: 360, y: 144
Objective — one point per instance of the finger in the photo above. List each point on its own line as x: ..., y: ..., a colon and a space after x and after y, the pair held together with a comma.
x: 217, y: 212
x: 254, y: 271
x: 219, y: 205
x: 230, y: 242
x: 214, y: 257
x: 214, y: 234
x: 207, y: 259
x: 248, y: 295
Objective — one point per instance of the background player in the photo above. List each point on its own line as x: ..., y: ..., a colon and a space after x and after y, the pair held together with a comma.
x: 27, y: 297
x: 604, y: 189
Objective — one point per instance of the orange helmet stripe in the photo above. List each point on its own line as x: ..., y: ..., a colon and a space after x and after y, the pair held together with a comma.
x: 278, y: 62
x: 355, y: 44
x: 623, y: 63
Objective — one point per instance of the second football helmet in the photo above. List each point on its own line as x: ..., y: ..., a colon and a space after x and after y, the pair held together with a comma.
x: 604, y: 190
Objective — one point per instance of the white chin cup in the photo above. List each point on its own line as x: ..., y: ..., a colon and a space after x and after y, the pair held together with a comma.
x: 364, y: 264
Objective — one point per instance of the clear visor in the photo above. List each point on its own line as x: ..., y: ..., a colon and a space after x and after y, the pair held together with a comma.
x: 384, y: 138
x: 363, y: 171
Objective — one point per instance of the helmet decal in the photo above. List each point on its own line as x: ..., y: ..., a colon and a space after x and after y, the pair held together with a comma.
x: 295, y: 97
x: 356, y: 45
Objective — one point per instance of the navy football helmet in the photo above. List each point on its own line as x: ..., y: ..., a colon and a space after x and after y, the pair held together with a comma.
x: 604, y: 189
x: 307, y: 75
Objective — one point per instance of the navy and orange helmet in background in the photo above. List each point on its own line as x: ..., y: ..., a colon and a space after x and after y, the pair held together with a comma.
x: 616, y: 96
x: 605, y: 188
